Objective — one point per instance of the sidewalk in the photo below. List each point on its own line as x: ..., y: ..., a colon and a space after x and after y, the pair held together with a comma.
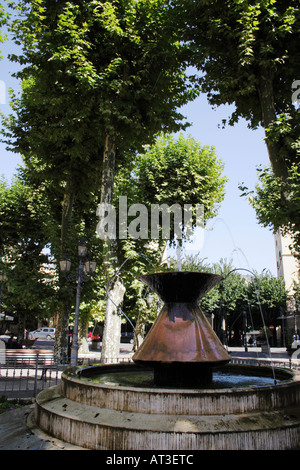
x: 18, y: 432
x: 255, y: 352
x: 125, y: 353
x: 277, y: 356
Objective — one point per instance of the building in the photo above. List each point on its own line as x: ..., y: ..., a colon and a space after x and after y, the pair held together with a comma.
x: 288, y: 268
x: 287, y: 264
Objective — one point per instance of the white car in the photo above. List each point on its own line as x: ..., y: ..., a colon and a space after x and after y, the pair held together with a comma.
x: 42, y: 333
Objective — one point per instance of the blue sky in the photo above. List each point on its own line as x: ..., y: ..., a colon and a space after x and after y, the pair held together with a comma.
x: 235, y: 233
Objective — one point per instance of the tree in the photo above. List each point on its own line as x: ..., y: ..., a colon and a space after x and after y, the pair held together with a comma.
x: 170, y: 172
x: 22, y: 243
x: 277, y: 203
x: 268, y: 298
x: 272, y: 294
x: 246, y: 52
x: 3, y: 19
x: 181, y: 171
x: 261, y: 296
x: 98, y: 79
x: 276, y: 200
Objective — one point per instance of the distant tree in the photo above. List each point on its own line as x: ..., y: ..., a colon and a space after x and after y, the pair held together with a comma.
x: 261, y: 296
x: 272, y: 296
x: 171, y: 171
x: 22, y: 242
x: 181, y: 171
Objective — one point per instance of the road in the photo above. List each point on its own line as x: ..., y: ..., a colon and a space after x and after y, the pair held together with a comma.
x: 49, y: 344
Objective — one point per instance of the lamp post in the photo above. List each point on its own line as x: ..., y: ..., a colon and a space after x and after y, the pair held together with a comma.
x: 85, y: 270
x: 245, y: 329
x: 3, y: 278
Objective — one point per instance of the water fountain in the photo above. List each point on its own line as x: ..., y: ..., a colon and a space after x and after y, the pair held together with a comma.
x: 180, y: 393
x: 181, y: 347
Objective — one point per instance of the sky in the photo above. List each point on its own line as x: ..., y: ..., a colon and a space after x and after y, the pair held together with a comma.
x: 235, y: 233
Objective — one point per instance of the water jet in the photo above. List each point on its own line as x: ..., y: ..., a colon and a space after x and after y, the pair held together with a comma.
x: 181, y: 392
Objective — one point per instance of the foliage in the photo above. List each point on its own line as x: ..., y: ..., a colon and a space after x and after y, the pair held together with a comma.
x: 22, y: 241
x: 170, y: 171
x: 241, y: 38
x: 256, y: 294
x: 272, y: 295
x: 277, y: 202
x: 9, y: 405
x: 3, y: 19
x: 89, y: 70
x: 181, y: 171
x: 95, y: 68
x: 27, y: 229
x: 247, y: 55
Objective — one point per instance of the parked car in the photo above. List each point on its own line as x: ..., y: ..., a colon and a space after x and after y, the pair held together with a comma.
x: 127, y: 338
x: 42, y: 333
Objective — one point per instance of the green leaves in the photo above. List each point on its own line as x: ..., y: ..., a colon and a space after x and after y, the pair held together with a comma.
x: 277, y: 202
x: 238, y: 293
x: 181, y: 171
x: 247, y: 53
x: 116, y: 65
x: 233, y: 40
x: 23, y: 216
x: 3, y: 19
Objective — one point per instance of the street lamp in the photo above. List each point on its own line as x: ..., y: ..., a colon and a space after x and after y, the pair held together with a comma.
x: 85, y: 270
x: 3, y: 278
x: 245, y: 329
x: 65, y: 265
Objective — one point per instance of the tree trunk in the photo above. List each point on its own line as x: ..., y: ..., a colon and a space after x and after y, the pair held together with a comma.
x: 268, y: 114
x: 62, y: 327
x: 61, y: 335
x: 116, y: 291
x: 67, y: 207
x: 112, y: 326
x: 139, y: 334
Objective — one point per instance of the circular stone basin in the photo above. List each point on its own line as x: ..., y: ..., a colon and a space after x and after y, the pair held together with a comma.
x: 120, y: 415
x: 223, y: 378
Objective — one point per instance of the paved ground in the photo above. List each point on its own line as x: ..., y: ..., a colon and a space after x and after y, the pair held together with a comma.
x: 18, y: 432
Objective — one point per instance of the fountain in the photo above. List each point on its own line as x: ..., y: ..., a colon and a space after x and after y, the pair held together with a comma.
x: 181, y: 346
x: 181, y: 392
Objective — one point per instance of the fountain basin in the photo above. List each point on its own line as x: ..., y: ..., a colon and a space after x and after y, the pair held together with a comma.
x: 110, y: 416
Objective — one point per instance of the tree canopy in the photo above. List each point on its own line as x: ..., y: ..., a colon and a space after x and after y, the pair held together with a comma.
x: 277, y: 202
x: 29, y: 276
x: 99, y: 80
x: 247, y: 55
x: 261, y: 296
